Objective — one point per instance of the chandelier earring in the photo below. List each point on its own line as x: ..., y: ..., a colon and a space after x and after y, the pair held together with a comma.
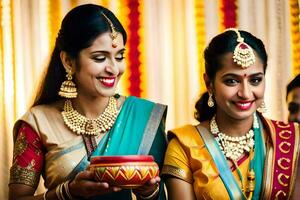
x: 210, y: 101
x: 262, y: 108
x: 68, y: 87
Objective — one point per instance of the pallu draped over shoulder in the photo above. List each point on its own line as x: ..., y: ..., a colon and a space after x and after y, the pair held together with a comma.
x: 43, y: 144
x: 188, y: 158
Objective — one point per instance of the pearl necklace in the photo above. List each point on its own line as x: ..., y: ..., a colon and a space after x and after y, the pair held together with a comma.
x: 85, y: 126
x: 233, y: 147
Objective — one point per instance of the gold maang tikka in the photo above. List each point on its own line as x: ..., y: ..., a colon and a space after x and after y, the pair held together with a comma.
x: 114, y: 33
x: 243, y: 54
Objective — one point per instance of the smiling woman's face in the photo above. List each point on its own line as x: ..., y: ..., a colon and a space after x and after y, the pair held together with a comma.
x: 238, y: 91
x: 100, y: 67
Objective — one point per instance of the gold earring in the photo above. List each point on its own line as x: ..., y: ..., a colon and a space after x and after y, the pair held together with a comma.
x: 262, y: 108
x: 68, y: 87
x: 210, y: 101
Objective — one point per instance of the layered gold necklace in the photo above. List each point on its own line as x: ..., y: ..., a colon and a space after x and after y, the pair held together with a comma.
x: 233, y: 147
x: 86, y: 126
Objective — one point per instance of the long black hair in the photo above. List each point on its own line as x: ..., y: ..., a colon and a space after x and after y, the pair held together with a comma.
x: 213, y: 55
x: 79, y: 28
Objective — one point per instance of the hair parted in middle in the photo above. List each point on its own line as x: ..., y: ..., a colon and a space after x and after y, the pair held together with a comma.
x: 221, y: 44
x: 79, y: 28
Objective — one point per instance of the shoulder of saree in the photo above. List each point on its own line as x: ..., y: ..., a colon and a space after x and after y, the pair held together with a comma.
x: 63, y: 148
x: 46, y: 119
x: 156, y: 111
x: 184, y: 135
x: 135, y: 127
x: 178, y: 165
x: 140, y: 102
x: 32, y: 118
x: 282, y: 149
x: 157, y: 117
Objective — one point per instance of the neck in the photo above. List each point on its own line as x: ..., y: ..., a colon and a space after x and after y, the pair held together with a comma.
x: 90, y: 107
x: 233, y: 127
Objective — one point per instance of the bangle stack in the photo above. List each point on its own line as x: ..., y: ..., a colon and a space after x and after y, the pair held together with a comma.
x: 151, y: 196
x: 62, y: 191
x: 44, y: 195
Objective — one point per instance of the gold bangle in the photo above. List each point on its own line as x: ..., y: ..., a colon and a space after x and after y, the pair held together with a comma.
x: 57, y: 192
x: 66, y: 186
x: 44, y: 195
x: 67, y: 190
x: 61, y: 191
x: 151, y: 195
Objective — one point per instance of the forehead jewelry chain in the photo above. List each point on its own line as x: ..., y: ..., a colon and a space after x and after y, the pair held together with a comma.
x: 85, y: 126
x: 114, y: 33
x: 243, y: 54
x: 233, y: 147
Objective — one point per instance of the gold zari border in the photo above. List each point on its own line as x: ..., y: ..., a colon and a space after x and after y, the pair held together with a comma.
x: 177, y: 172
x: 27, y: 176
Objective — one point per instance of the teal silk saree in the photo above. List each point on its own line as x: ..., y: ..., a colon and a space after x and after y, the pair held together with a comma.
x: 139, y: 129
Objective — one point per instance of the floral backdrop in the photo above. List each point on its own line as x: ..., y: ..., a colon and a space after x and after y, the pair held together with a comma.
x: 164, y: 52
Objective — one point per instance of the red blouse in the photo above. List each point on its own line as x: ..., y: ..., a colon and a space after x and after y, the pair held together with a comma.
x: 28, y: 157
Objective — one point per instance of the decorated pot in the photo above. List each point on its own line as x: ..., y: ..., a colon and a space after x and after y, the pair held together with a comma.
x: 124, y: 171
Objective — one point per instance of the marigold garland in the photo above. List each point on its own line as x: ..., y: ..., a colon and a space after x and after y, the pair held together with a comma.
x: 228, y: 16
x: 73, y: 3
x: 122, y: 12
x: 8, y: 79
x: 142, y: 50
x: 54, y: 20
x: 200, y: 37
x: 295, y: 36
x: 105, y: 3
x: 133, y: 51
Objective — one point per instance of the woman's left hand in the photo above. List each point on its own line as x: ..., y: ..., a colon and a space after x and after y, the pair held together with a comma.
x: 150, y: 187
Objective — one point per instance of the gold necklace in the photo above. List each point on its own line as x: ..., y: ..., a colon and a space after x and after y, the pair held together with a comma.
x: 233, y: 147
x: 85, y: 126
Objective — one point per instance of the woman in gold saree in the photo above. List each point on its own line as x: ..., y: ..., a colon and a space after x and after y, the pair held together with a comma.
x: 235, y: 152
x: 77, y: 115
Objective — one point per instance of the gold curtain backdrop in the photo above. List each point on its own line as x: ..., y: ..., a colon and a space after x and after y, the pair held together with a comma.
x: 172, y: 36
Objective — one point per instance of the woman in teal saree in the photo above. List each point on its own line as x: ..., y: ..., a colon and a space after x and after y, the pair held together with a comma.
x: 70, y: 122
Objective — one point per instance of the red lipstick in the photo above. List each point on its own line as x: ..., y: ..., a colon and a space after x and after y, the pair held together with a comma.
x: 107, y: 82
x: 243, y: 105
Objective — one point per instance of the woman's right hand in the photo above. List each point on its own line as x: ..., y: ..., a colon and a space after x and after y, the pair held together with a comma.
x: 84, y: 185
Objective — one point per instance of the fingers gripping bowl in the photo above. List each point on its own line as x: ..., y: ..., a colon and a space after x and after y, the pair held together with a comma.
x: 124, y: 171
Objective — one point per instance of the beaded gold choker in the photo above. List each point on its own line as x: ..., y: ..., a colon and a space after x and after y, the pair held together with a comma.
x: 243, y: 54
x: 233, y: 147
x: 85, y: 126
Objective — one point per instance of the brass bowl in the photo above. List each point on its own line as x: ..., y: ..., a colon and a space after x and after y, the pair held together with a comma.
x: 124, y: 171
